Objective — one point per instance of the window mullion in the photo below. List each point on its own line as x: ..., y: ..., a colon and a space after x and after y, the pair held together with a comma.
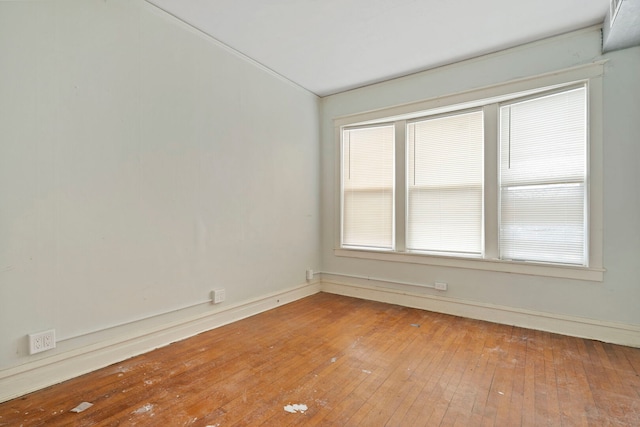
x: 491, y: 202
x: 400, y: 185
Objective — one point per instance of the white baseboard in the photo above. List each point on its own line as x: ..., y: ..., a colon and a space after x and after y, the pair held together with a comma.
x: 32, y: 376
x: 610, y: 332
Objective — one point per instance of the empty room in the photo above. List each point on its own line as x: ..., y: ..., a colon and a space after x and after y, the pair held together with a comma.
x: 339, y: 213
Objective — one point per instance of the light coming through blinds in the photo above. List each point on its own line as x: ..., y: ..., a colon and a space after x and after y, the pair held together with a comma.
x: 444, y: 184
x: 543, y: 145
x: 367, y: 187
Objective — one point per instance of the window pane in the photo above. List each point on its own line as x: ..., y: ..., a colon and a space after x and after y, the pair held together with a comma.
x: 445, y: 174
x: 543, y: 223
x: 543, y: 140
x: 542, y: 179
x: 367, y: 183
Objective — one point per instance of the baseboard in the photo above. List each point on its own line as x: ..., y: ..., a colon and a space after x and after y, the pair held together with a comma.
x: 32, y: 376
x: 610, y: 332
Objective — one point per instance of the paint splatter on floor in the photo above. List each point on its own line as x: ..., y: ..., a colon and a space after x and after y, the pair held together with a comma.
x: 296, y: 407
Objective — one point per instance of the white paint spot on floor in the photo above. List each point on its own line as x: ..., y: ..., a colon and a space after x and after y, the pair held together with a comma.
x: 146, y: 408
x: 148, y: 382
x: 215, y: 425
x: 295, y: 408
x: 366, y: 371
x: 81, y: 407
x: 333, y: 359
x: 501, y: 393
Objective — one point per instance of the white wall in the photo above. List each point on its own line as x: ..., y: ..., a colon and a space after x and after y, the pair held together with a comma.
x: 613, y: 300
x: 142, y: 165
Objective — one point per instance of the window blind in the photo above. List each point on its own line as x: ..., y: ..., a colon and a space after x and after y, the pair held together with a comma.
x: 445, y: 183
x: 543, y: 146
x: 368, y: 186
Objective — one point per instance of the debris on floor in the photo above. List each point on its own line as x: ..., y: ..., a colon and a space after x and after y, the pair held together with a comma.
x: 146, y: 408
x: 81, y: 407
x: 295, y: 408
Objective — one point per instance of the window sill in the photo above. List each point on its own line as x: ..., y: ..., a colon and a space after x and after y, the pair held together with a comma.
x: 527, y: 268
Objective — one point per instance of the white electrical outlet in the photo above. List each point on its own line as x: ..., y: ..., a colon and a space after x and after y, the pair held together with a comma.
x: 42, y: 341
x: 218, y: 296
x: 309, y: 274
x: 441, y: 286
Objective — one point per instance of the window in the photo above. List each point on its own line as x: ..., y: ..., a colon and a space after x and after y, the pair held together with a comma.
x: 502, y: 182
x: 367, y: 192
x: 444, y: 182
x: 543, y: 145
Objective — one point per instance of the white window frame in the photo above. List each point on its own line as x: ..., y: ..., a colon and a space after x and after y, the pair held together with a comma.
x: 488, y: 98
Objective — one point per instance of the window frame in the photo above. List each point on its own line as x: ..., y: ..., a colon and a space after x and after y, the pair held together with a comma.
x: 488, y: 99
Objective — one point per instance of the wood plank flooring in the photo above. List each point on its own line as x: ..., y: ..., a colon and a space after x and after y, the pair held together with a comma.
x: 353, y: 363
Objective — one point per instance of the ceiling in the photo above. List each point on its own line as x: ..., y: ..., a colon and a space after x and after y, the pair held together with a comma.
x: 329, y: 46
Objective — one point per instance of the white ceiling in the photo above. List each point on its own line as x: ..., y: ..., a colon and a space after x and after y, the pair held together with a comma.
x: 328, y: 46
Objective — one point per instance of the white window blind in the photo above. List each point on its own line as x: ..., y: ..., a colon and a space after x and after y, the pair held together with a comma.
x: 445, y: 184
x: 368, y: 187
x: 543, y: 145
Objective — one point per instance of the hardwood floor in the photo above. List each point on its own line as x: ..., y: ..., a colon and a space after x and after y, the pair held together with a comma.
x: 353, y: 363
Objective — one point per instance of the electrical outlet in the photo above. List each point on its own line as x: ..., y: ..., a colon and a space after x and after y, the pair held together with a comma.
x: 218, y: 296
x: 309, y: 274
x: 42, y: 341
x: 441, y: 286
